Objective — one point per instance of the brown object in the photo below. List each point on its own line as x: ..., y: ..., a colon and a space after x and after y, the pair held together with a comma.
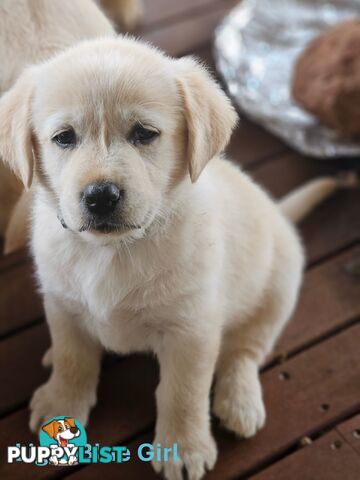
x: 326, y: 79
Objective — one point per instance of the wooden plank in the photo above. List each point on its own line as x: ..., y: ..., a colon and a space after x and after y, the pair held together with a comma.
x: 12, y: 260
x: 21, y: 372
x: 250, y: 144
x: 287, y: 171
x: 315, y: 394
x: 330, y: 457
x: 350, y: 432
x: 329, y: 299
x: 330, y: 227
x: 166, y: 11
x: 333, y: 226
x: 191, y: 33
x: 20, y: 304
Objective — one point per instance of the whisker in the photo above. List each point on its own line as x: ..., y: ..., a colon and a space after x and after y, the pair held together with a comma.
x: 112, y: 227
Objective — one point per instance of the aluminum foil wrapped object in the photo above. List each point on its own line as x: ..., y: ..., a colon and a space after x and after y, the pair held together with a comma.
x: 255, y: 49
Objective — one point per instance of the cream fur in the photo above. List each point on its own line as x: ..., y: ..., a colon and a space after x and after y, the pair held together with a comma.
x: 208, y: 281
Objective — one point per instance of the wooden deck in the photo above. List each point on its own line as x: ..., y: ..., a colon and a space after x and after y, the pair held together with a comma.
x: 312, y: 380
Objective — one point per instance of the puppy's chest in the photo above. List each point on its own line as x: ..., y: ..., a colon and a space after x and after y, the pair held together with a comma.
x: 124, y: 307
x: 107, y: 285
x: 134, y: 318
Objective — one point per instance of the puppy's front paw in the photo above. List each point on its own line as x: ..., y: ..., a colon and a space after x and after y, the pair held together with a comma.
x: 196, y: 455
x: 239, y: 405
x: 50, y: 401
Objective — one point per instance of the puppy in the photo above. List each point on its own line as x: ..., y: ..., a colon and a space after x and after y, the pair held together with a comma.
x: 139, y: 247
x: 62, y: 431
x: 46, y: 27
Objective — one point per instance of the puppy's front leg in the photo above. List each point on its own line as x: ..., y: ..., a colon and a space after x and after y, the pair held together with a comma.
x: 186, y: 371
x: 71, y: 388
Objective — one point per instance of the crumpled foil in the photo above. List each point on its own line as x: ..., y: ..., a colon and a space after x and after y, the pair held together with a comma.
x: 255, y: 49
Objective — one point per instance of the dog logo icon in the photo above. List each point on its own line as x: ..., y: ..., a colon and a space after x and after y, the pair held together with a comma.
x: 63, y: 435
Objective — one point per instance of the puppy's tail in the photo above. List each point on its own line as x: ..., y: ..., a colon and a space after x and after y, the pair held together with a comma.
x: 298, y: 203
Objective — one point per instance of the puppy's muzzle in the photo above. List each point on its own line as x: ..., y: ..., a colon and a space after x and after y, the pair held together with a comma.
x: 101, y: 199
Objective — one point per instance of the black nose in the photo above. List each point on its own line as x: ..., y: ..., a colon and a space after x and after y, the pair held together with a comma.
x: 74, y: 430
x: 101, y: 198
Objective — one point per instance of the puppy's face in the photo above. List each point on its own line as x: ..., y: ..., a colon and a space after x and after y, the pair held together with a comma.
x: 114, y: 127
x: 111, y: 136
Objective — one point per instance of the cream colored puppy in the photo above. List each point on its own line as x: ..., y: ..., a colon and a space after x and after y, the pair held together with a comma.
x: 30, y: 32
x: 139, y: 247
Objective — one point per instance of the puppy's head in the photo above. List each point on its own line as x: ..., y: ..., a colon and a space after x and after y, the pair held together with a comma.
x: 110, y: 128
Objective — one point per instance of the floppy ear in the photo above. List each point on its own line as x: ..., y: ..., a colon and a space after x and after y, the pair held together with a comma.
x: 49, y: 428
x: 208, y: 112
x: 16, y: 148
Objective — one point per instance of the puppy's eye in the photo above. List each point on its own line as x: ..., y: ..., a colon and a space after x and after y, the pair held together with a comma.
x: 60, y: 429
x: 65, y: 139
x: 142, y: 136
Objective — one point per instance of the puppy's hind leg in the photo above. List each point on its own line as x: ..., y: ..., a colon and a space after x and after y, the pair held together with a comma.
x: 238, y: 399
